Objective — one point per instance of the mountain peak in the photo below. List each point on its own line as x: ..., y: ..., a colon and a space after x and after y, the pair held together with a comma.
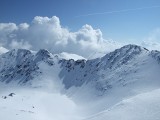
x: 17, y: 53
x: 133, y: 47
x: 43, y: 52
x: 122, y: 55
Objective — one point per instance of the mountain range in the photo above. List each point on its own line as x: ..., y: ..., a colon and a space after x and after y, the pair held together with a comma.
x: 122, y: 85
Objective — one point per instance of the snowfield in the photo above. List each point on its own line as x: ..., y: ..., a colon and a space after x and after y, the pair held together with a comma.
x: 144, y: 106
x: 122, y: 85
x: 33, y: 104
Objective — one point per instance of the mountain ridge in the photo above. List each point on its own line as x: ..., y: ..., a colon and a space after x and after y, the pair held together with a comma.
x: 23, y: 58
x: 98, y: 83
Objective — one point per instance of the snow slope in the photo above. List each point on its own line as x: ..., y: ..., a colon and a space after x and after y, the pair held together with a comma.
x: 145, y: 106
x: 34, y: 104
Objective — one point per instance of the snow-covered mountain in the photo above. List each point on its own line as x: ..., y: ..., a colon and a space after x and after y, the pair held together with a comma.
x: 99, y: 86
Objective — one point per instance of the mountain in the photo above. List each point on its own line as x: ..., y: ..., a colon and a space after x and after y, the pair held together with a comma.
x: 99, y: 86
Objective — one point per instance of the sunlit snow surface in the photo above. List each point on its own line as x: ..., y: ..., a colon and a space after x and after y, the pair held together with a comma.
x: 144, y: 106
x: 34, y: 104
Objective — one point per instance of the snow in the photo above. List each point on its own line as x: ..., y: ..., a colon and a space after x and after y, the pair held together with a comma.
x: 145, y: 106
x: 123, y: 85
x: 33, y: 104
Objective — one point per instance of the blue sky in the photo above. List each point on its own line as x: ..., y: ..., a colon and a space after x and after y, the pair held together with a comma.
x: 119, y: 26
x: 134, y: 22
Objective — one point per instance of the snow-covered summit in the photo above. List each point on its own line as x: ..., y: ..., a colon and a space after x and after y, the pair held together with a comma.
x: 123, y: 55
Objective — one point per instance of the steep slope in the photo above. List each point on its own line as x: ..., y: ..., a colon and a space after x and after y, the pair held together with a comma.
x: 91, y: 69
x: 21, y: 65
x: 121, y: 74
x: 144, y: 106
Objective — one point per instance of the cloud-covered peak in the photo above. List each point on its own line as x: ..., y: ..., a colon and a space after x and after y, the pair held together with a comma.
x: 47, y: 33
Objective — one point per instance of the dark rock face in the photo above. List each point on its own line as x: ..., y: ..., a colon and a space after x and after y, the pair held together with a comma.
x: 11, y: 94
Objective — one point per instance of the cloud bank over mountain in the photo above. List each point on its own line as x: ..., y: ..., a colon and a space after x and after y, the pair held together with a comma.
x: 47, y: 33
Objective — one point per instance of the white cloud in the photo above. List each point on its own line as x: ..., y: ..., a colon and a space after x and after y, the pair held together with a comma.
x: 154, y: 35
x: 47, y: 33
x: 23, y: 26
x: 151, y: 45
x: 21, y: 44
x: 152, y: 42
x: 8, y: 27
x: 3, y: 50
